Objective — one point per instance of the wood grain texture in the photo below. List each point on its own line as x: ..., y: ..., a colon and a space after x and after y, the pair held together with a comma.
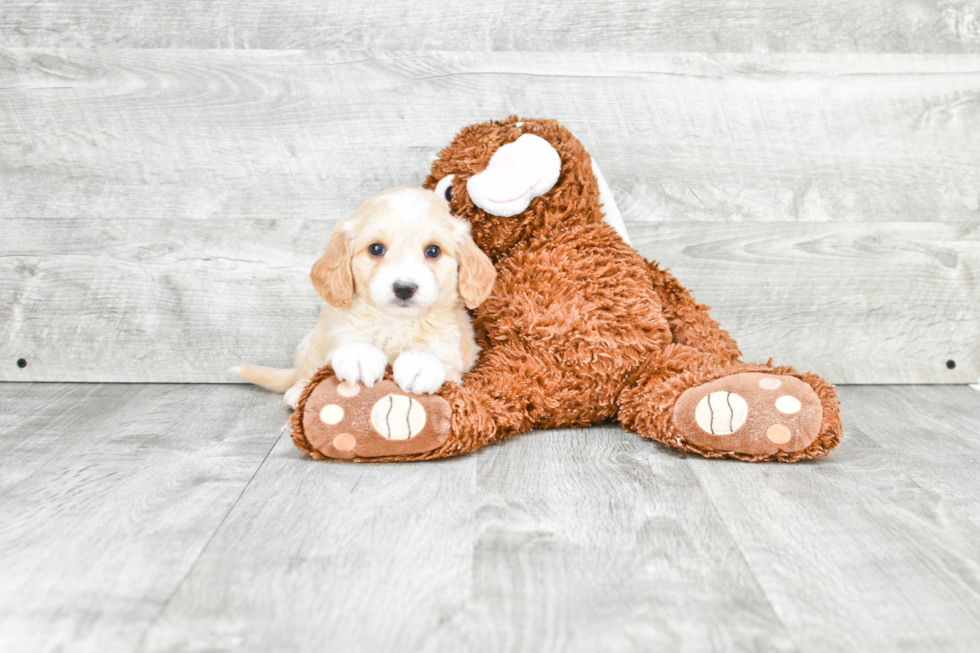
x: 184, y: 300
x: 853, y: 552
x: 872, y: 303
x: 326, y: 557
x: 558, y: 541
x: 155, y: 300
x: 934, y: 442
x: 580, y: 25
x: 109, y: 493
x: 680, y: 137
x: 598, y: 540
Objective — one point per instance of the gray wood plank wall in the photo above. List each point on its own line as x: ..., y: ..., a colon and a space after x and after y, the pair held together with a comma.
x: 480, y: 25
x: 171, y: 300
x: 851, y: 138
x: 817, y: 184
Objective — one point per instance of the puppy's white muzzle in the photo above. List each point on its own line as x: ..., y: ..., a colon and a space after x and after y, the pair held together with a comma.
x: 405, y: 289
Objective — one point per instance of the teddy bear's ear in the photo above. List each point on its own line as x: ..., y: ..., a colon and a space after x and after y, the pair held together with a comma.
x: 612, y: 216
x: 331, y: 275
x: 476, y: 272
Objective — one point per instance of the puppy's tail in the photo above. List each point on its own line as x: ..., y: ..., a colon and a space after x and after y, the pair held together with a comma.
x: 268, y: 377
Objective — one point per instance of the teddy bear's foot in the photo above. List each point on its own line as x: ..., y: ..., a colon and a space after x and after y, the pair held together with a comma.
x: 750, y: 415
x: 347, y: 421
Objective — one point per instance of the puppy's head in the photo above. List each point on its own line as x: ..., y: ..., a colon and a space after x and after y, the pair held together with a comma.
x: 515, y: 178
x: 404, y: 254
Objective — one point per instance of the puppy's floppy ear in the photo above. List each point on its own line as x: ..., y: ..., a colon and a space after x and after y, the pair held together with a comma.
x: 331, y: 275
x: 476, y: 272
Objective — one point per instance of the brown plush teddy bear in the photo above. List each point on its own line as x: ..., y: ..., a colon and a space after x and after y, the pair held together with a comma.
x: 579, y: 330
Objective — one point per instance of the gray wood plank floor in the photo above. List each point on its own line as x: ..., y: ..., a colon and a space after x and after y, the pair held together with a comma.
x: 177, y: 518
x: 108, y: 495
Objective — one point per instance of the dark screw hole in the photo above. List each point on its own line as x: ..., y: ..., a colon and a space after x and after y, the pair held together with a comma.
x: 950, y: 364
x: 21, y: 363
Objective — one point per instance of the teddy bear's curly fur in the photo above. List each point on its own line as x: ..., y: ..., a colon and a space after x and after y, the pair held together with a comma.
x: 580, y: 329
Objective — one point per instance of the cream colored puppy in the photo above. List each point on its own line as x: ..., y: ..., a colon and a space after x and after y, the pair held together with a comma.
x: 397, y: 276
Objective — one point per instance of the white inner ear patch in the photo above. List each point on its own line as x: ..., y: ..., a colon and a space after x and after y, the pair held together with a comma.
x: 517, y: 173
x: 612, y: 216
x: 721, y: 413
x: 397, y: 417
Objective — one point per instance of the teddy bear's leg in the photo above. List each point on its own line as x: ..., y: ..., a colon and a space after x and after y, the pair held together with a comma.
x: 385, y: 424
x: 741, y: 410
x: 689, y: 321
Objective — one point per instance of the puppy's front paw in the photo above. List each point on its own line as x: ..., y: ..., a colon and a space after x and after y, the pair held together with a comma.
x: 359, y: 362
x: 419, y: 373
x: 293, y: 394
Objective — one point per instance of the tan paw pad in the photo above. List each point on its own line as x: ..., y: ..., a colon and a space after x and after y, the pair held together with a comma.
x: 721, y: 413
x: 342, y: 420
x: 331, y: 414
x: 397, y: 417
x: 779, y: 434
x: 757, y: 414
x: 348, y: 389
x: 769, y: 383
x: 788, y: 405
x: 344, y: 442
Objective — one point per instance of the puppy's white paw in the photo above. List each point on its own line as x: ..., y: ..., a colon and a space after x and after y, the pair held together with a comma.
x: 359, y: 362
x: 419, y: 373
x: 293, y: 394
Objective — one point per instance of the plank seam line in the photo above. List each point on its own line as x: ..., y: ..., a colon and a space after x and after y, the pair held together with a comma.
x: 141, y: 646
x: 731, y: 536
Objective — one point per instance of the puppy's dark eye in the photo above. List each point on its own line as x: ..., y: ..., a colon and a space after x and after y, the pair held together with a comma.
x: 433, y: 251
x: 377, y: 249
x: 449, y: 193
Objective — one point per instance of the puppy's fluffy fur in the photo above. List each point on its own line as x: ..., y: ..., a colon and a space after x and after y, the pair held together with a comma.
x: 397, y: 276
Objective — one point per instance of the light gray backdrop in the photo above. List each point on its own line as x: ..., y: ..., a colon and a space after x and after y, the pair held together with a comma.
x: 169, y: 174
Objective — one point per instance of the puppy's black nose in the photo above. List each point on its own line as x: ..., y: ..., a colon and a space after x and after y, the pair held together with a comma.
x: 404, y: 290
